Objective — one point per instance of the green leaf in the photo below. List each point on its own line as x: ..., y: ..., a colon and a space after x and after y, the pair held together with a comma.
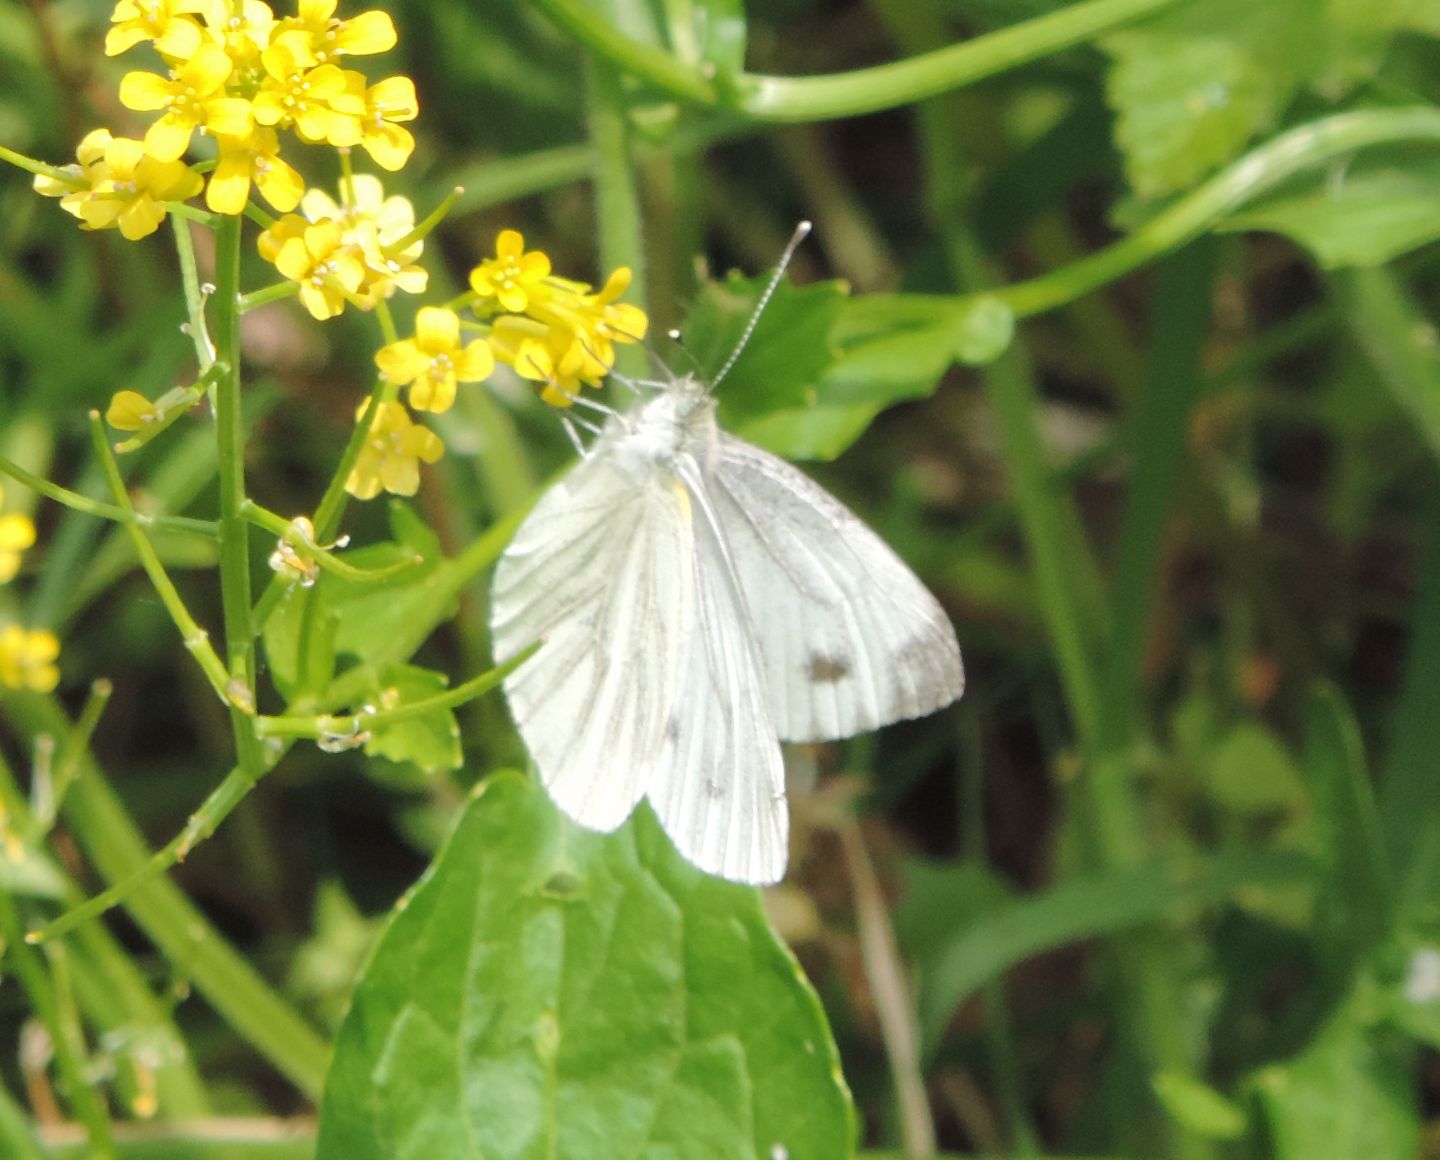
x: 370, y: 612
x: 299, y: 641
x: 1349, y: 1096
x: 1361, y: 904
x: 938, y: 898
x: 888, y: 348
x: 1199, y: 1107
x: 1193, y: 85
x: 548, y: 991
x: 431, y: 742
x: 1365, y: 215
x: 1103, y: 903
x: 1251, y: 772
x: 786, y: 355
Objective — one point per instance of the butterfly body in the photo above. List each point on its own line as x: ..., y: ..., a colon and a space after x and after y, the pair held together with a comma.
x: 700, y: 600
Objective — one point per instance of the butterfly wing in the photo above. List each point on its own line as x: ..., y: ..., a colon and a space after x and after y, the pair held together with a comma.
x: 719, y: 786
x: 849, y: 637
x: 600, y: 570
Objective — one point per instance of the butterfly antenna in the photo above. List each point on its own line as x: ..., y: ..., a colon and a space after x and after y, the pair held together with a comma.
x: 801, y: 232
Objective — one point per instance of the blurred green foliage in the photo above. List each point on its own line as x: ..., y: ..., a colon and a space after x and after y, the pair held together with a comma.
x: 1116, y: 323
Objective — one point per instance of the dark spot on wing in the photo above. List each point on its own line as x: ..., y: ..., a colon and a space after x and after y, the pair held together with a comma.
x: 828, y: 670
x: 672, y: 729
x: 715, y: 790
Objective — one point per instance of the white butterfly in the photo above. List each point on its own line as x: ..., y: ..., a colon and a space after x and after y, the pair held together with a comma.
x: 700, y: 601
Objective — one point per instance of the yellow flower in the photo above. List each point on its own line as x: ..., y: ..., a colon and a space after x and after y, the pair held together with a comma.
x: 192, y: 96
x: 130, y: 411
x: 123, y: 186
x: 326, y: 268
x: 272, y: 240
x: 559, y: 362
x: 243, y: 36
x: 373, y: 126
x: 370, y: 32
x: 17, y: 533
x: 162, y: 21
x: 373, y: 225
x: 295, y: 95
x: 513, y: 277
x: 434, y: 361
x: 599, y: 321
x: 254, y: 159
x: 390, y: 459
x: 27, y: 659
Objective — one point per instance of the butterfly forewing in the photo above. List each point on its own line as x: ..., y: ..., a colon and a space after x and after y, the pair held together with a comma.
x: 849, y: 637
x: 719, y: 785
x: 600, y: 571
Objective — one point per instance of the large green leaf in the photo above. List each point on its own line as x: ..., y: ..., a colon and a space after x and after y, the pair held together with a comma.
x: 1193, y: 85
x: 548, y: 991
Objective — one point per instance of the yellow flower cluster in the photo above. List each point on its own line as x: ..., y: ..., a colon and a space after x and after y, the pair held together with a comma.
x: 17, y: 534
x: 239, y: 75
x: 551, y: 330
x: 27, y: 659
x: 360, y: 249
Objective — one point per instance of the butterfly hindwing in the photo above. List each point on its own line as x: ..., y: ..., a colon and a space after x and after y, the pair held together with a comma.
x: 849, y: 637
x: 718, y: 787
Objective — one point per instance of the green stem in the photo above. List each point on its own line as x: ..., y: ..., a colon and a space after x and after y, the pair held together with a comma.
x: 234, y: 531
x: 617, y: 196
x: 195, y: 638
x: 194, y: 298
x: 904, y: 82
x: 127, y: 1003
x: 27, y: 965
x: 351, y: 686
x: 355, y: 724
x: 230, y: 445
x: 1151, y: 988
x: 649, y: 62
x: 1016, y: 402
x: 172, y: 922
x: 1258, y: 171
x: 121, y: 515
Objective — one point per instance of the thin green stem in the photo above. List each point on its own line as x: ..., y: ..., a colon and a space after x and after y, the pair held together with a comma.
x: 649, y: 62
x: 904, y: 82
x: 128, y: 1003
x: 121, y: 515
x: 1016, y: 402
x: 355, y: 724
x: 274, y: 293
x: 1258, y: 171
x: 195, y: 638
x: 27, y: 965
x: 234, y: 531
x: 100, y: 822
x: 1151, y: 987
x: 456, y: 575
x: 616, y: 193
x: 194, y: 296
x: 292, y: 533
